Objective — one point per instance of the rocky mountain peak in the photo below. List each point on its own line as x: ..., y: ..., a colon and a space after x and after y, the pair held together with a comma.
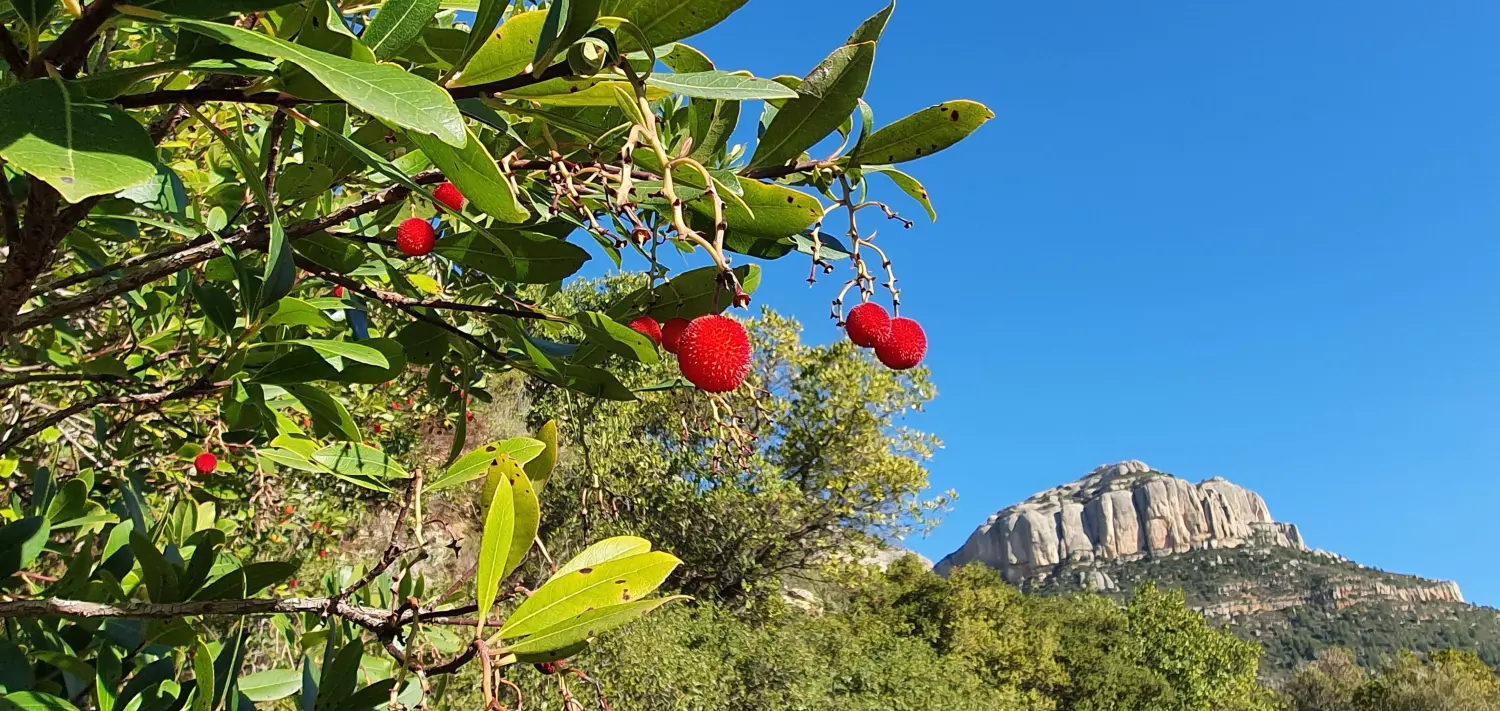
x: 1120, y: 512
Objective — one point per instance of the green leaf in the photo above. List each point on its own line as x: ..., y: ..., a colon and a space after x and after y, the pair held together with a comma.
x: 210, y: 9
x: 507, y: 51
x: 81, y: 149
x: 246, y: 581
x: 825, y: 99
x: 203, y: 674
x: 340, y: 676
x: 37, y: 701
x: 494, y: 546
x: 526, y: 511
x: 396, y: 26
x: 34, y: 13
x: 425, y: 343
x: 107, y: 677
x: 515, y: 255
x: 688, y: 295
x: 159, y: 577
x: 908, y: 185
x: 685, y: 59
x: 476, y: 174
x: 567, y: 21
x: 925, y: 132
x: 539, y: 469
x: 383, y: 91
x: 271, y: 684
x: 587, y: 626
x: 721, y: 85
x: 473, y: 465
x: 296, y: 312
x: 486, y: 18
x: 300, y: 181
x: 617, y: 338
x: 349, y: 459
x: 611, y: 583
x: 303, y: 365
x: 604, y: 551
x: 871, y: 29
x: 340, y: 255
x: 773, y: 210
x: 148, y: 677
x: 340, y: 349
x: 15, y: 671
x: 578, y: 378
x: 328, y: 414
x: 665, y: 21
x: 218, y: 306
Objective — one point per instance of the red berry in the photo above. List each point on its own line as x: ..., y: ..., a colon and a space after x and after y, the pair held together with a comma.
x: 904, y: 346
x: 648, y: 326
x: 338, y: 292
x: 671, y: 333
x: 867, y: 324
x: 714, y: 353
x: 415, y: 237
x: 449, y: 195
x: 322, y: 554
x: 395, y: 406
x: 377, y: 428
x: 205, y: 463
x: 287, y: 509
x: 470, y: 415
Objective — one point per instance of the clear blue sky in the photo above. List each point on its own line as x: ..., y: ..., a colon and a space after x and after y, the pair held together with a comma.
x: 1256, y: 240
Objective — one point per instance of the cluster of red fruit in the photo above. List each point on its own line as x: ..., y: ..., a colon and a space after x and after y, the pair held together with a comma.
x: 899, y: 342
x: 713, y: 351
x: 415, y: 237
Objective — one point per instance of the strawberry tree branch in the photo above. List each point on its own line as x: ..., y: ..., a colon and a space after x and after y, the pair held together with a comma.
x: 75, y: 40
x: 11, y: 52
x: 373, y: 618
x: 23, y: 432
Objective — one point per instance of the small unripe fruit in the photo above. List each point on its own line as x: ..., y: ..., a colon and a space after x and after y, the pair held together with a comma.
x: 205, y: 463
x: 647, y: 326
x: 867, y: 324
x: 287, y: 509
x: 904, y: 347
x: 671, y: 333
x: 714, y: 353
x: 449, y: 195
x: 415, y: 238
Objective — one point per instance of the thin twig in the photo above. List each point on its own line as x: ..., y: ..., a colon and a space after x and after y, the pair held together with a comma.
x: 393, y: 549
x: 21, y: 434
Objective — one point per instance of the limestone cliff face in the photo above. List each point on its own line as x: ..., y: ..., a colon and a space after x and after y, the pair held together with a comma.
x: 1123, y: 511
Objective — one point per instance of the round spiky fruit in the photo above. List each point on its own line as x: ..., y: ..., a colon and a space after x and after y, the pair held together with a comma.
x: 714, y: 353
x: 671, y: 333
x: 448, y: 194
x: 205, y: 463
x: 904, y: 347
x: 647, y: 326
x: 867, y: 323
x: 415, y: 237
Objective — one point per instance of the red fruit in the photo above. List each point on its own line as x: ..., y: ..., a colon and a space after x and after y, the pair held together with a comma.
x: 904, y: 346
x: 287, y: 509
x: 648, y: 326
x: 205, y: 463
x: 322, y: 554
x: 671, y: 333
x: 395, y: 406
x: 449, y: 195
x: 415, y: 237
x: 470, y: 415
x: 338, y: 292
x: 714, y: 353
x: 408, y: 402
x: 377, y: 428
x: 867, y: 324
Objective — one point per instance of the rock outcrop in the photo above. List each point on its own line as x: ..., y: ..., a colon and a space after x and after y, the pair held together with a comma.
x: 1120, y: 512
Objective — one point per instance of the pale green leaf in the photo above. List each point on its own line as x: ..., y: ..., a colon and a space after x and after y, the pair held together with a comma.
x: 611, y: 583
x: 925, y: 132
x: 582, y: 628
x: 495, y: 544
x: 271, y: 684
x: 473, y: 465
x: 396, y: 25
x: 721, y: 85
x: 81, y: 149
x: 604, y: 551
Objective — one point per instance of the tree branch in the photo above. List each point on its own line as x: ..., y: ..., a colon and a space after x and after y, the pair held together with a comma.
x: 22, y: 433
x: 75, y: 39
x: 199, y: 95
x: 10, y: 216
x: 372, y: 618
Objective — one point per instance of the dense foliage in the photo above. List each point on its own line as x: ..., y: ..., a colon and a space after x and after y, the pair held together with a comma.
x: 263, y: 260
